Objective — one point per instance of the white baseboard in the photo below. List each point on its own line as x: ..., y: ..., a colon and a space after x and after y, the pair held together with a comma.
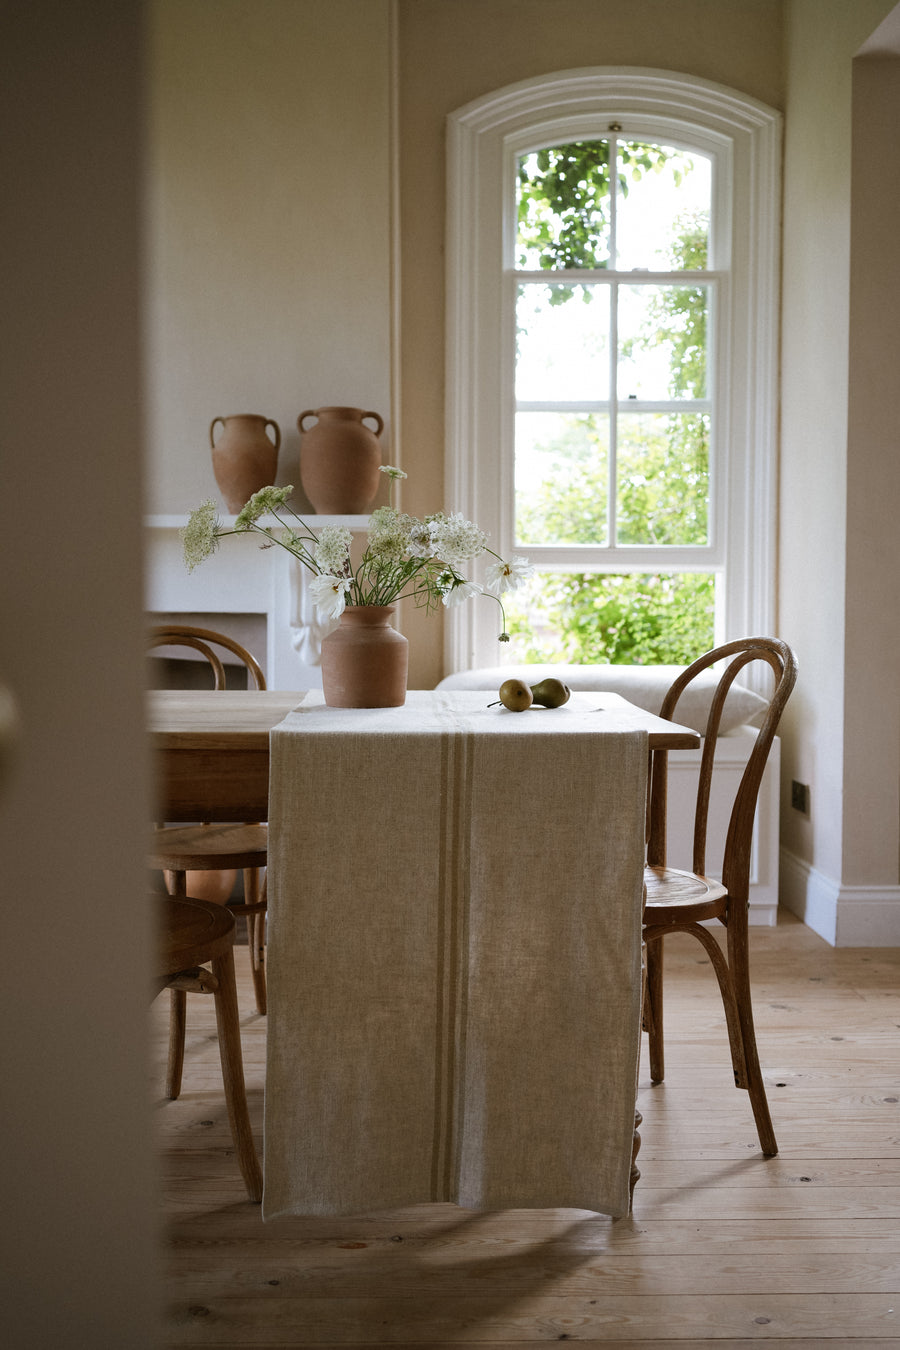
x: 845, y: 916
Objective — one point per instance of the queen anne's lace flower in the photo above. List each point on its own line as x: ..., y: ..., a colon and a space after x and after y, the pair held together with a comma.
x: 508, y: 576
x: 330, y: 595
x: 456, y: 540
x: 389, y: 532
x: 200, y: 535
x: 333, y: 549
x: 267, y: 499
x: 404, y: 556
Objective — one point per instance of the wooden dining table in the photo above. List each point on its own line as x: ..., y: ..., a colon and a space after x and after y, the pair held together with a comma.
x: 454, y: 957
x: 211, y: 750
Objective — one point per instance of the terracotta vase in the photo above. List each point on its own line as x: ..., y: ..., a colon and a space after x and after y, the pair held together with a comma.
x: 340, y: 459
x: 244, y: 458
x: 365, y: 660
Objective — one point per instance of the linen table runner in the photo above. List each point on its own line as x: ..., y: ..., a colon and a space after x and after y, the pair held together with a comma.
x: 454, y: 956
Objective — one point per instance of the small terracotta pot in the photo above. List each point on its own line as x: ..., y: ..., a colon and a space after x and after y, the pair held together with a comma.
x: 340, y: 459
x: 214, y: 886
x: 365, y: 660
x: 244, y: 459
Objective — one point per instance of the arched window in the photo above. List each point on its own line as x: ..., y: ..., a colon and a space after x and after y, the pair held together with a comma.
x: 611, y: 408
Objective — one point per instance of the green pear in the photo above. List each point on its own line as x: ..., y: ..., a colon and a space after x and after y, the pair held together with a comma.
x: 515, y: 695
x: 551, y: 693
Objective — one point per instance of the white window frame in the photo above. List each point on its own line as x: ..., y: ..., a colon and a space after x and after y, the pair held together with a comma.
x: 743, y: 136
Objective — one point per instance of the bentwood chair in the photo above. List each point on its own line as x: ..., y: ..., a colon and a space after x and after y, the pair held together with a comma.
x: 192, y: 933
x: 682, y: 902
x: 203, y: 860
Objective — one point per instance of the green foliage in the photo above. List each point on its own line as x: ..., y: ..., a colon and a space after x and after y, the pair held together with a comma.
x: 663, y: 482
x: 563, y: 200
x: 678, y: 314
x: 662, y: 459
x: 663, y: 479
x: 614, y: 619
x: 563, y: 206
x: 563, y: 203
x: 569, y: 506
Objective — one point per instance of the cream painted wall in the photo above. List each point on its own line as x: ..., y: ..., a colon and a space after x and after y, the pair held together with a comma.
x: 78, y: 1197
x: 450, y: 53
x: 872, y: 663
x: 269, y: 218
x: 822, y: 37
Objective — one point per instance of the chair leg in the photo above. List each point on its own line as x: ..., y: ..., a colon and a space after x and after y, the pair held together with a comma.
x: 256, y: 935
x: 228, y: 1024
x: 175, y: 885
x: 177, y: 1020
x: 721, y: 965
x: 653, y: 1002
x: 739, y: 965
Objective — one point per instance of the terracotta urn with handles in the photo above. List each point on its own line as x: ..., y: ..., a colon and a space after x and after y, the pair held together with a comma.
x: 340, y: 458
x: 244, y: 457
x: 365, y: 660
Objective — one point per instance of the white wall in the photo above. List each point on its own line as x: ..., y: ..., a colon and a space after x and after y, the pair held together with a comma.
x: 839, y: 734
x: 872, y: 702
x: 77, y: 1185
x: 269, y: 211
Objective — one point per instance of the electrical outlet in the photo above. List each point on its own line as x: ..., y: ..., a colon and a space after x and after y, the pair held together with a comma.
x: 800, y: 796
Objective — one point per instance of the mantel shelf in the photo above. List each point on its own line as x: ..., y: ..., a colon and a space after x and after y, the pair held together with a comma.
x: 177, y: 522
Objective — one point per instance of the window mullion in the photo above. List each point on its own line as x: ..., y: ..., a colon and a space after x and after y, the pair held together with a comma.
x: 612, y: 468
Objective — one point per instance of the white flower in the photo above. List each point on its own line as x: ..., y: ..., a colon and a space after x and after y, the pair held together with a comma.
x: 421, y: 540
x: 200, y: 535
x: 508, y: 576
x: 456, y: 539
x: 333, y: 548
x: 388, y: 533
x: 422, y: 559
x: 267, y: 499
x: 462, y: 590
x: 330, y: 595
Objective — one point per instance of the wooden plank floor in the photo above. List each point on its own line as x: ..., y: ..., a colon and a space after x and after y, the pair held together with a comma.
x: 725, y: 1248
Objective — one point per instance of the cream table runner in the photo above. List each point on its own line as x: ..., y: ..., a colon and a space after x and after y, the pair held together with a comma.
x: 454, y: 956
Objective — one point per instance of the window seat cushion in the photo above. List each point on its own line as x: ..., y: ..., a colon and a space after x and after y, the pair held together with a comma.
x: 645, y: 686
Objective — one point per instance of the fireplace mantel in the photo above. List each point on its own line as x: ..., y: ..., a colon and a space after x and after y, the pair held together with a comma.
x: 243, y: 577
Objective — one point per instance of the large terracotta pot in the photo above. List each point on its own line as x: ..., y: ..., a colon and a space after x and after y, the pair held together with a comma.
x: 340, y: 459
x: 244, y: 458
x: 365, y: 660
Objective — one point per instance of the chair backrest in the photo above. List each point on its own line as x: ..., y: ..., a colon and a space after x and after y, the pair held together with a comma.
x: 736, y: 864
x: 204, y: 640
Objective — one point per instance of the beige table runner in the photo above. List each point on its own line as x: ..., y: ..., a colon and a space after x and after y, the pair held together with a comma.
x: 454, y: 956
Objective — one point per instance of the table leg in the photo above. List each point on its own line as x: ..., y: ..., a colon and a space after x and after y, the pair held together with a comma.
x: 635, y: 1170
x: 228, y: 1024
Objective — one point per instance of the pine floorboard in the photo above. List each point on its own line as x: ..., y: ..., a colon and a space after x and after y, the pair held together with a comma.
x: 725, y: 1248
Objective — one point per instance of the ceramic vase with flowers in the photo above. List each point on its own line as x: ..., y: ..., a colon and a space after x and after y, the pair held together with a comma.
x: 364, y: 659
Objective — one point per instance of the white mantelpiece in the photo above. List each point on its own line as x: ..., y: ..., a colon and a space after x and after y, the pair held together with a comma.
x: 244, y: 578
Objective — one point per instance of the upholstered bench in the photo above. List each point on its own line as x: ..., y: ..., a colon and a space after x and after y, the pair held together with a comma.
x: 646, y: 686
